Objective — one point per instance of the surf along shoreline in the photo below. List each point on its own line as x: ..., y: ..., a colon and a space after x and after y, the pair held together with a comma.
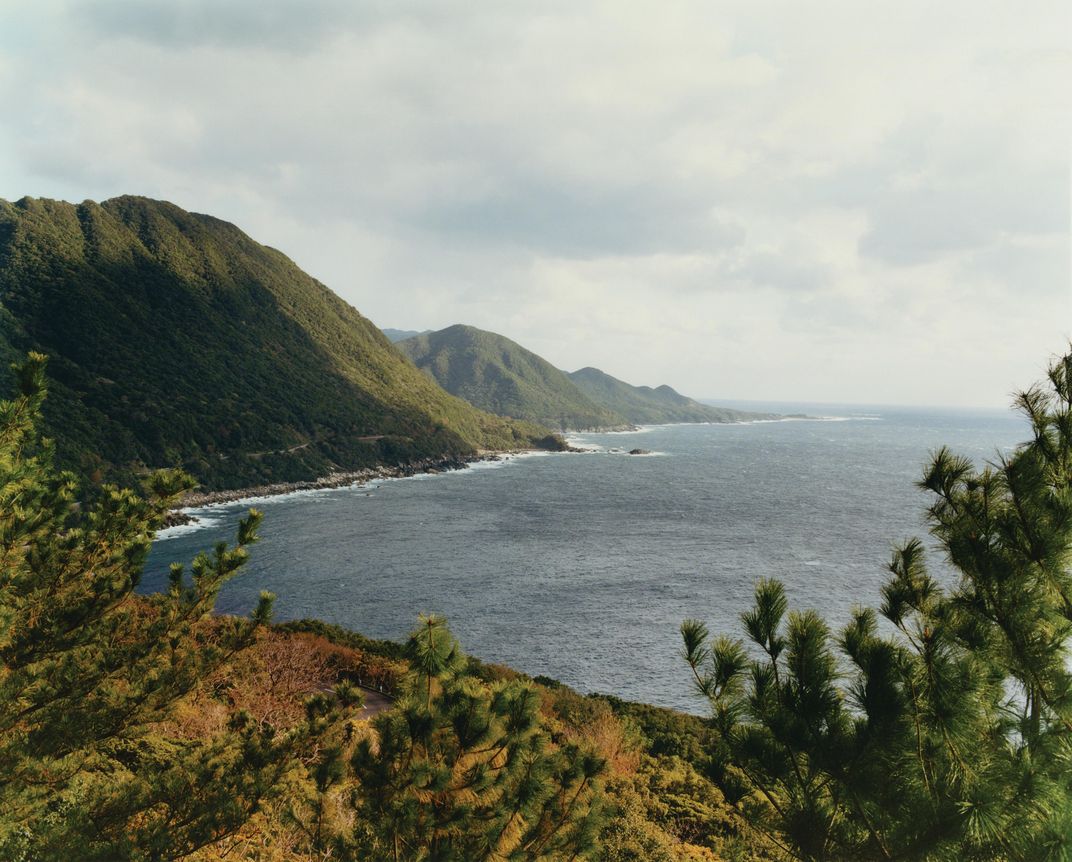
x: 180, y: 516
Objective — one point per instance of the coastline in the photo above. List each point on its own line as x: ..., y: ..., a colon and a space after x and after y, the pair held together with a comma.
x: 179, y: 515
x: 197, y: 499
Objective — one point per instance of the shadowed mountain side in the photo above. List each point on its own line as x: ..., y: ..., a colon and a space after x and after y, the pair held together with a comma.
x: 643, y: 405
x: 496, y: 374
x: 176, y: 340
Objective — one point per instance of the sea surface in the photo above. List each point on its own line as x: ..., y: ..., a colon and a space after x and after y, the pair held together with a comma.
x: 582, y: 566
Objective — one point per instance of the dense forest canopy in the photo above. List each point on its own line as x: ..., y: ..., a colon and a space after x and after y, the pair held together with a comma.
x: 177, y: 341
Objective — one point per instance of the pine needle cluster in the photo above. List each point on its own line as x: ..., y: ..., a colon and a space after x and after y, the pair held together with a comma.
x: 940, y: 726
x: 89, y: 670
x: 463, y: 771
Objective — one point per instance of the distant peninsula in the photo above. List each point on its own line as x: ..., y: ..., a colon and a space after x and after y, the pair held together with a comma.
x: 500, y: 376
x: 643, y: 405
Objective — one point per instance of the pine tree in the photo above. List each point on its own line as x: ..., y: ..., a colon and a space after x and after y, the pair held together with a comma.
x: 89, y: 670
x: 952, y: 738
x: 462, y: 771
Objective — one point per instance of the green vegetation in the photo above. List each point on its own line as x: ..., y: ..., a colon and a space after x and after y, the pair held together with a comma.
x: 643, y: 405
x: 394, y: 335
x: 86, y: 672
x: 461, y: 770
x: 943, y: 732
x: 502, y: 377
x: 177, y: 341
x: 143, y: 728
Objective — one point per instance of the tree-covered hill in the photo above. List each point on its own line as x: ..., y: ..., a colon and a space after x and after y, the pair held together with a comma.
x: 176, y: 340
x: 402, y: 334
x: 499, y: 375
x: 643, y: 405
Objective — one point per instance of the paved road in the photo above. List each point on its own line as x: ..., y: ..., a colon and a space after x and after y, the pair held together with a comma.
x: 375, y: 703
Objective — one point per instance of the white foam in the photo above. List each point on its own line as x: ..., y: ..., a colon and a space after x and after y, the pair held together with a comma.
x: 269, y: 499
x: 619, y: 451
x: 203, y: 514
x: 200, y: 522
x: 578, y: 442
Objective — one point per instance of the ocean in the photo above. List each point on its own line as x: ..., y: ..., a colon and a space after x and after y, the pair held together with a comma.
x: 581, y: 567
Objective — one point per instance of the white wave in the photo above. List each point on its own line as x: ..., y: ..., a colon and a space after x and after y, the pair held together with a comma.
x: 644, y: 429
x: 501, y: 461
x: 619, y: 451
x: 583, y: 445
x: 200, y: 522
x: 270, y: 499
x: 203, y: 514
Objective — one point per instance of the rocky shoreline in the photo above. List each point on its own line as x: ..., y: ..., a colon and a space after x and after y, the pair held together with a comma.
x: 197, y: 499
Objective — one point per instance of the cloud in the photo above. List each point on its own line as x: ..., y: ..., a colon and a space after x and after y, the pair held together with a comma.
x: 582, y: 221
x: 289, y: 27
x: 788, y: 201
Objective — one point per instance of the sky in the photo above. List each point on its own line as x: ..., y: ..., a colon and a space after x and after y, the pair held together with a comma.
x: 828, y: 201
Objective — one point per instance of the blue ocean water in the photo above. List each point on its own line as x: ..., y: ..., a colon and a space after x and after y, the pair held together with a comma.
x: 582, y: 566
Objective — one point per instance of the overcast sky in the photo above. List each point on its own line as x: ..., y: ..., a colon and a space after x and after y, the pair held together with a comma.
x: 829, y: 201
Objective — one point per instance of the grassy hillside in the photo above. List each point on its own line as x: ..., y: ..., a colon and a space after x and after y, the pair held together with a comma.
x: 646, y: 406
x: 176, y: 340
x: 500, y: 376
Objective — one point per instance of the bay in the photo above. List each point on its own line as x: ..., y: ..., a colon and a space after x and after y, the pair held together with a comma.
x: 582, y: 566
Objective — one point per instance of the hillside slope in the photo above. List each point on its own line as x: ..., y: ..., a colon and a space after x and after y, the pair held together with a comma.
x: 402, y: 334
x: 643, y: 405
x: 499, y: 375
x: 175, y: 339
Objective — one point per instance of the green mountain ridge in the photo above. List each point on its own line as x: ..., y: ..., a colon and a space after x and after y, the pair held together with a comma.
x: 643, y: 405
x: 498, y: 375
x: 394, y: 335
x: 177, y: 340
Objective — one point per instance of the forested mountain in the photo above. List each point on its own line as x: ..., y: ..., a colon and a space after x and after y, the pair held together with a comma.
x: 643, y: 405
x: 499, y: 375
x: 176, y: 340
x: 402, y: 334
